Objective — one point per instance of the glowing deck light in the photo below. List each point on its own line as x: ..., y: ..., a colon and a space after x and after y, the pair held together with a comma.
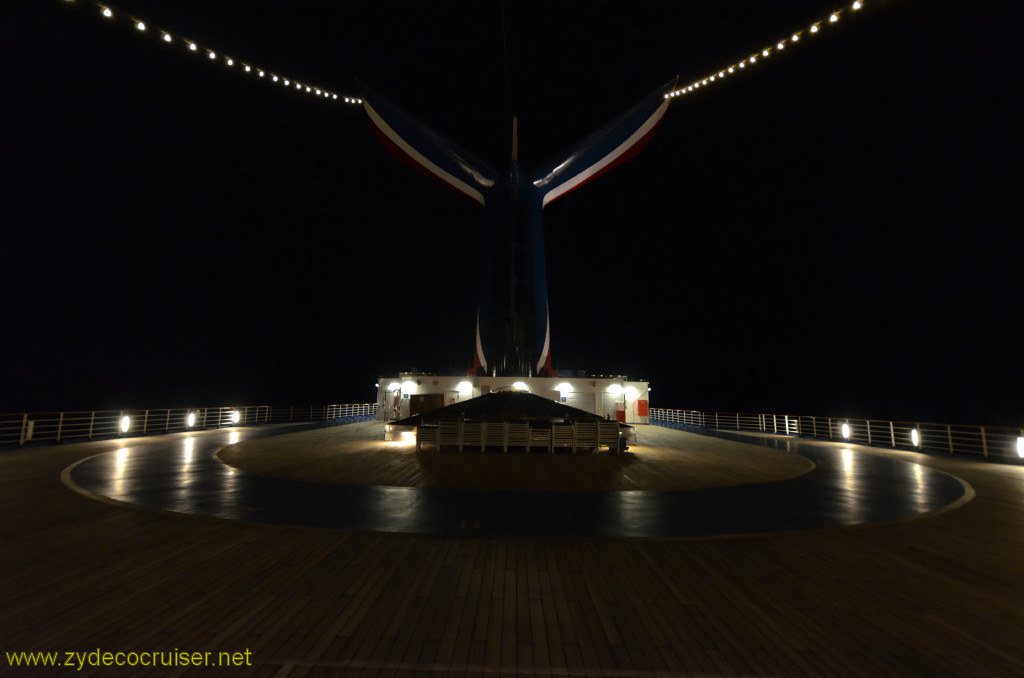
x: 521, y: 385
x: 915, y: 437
x: 298, y: 86
x: 307, y: 88
x: 231, y: 62
x: 743, y: 64
x: 274, y: 78
x: 1020, y: 446
x: 834, y: 18
x: 814, y: 28
x: 846, y: 431
x: 167, y: 37
x: 564, y: 388
x: 192, y: 47
x: 141, y: 25
x: 721, y: 74
x: 764, y: 53
x: 286, y: 82
x: 615, y: 389
x: 262, y: 74
x: 781, y: 45
x: 126, y: 423
x: 248, y: 69
x: 408, y: 387
x: 335, y: 96
x: 731, y: 69
x: 190, y: 421
x: 236, y: 416
x: 857, y: 5
x: 795, y: 38
x: 464, y: 388
x: 753, y: 59
x: 212, y: 55
x: 394, y: 386
x: 107, y: 13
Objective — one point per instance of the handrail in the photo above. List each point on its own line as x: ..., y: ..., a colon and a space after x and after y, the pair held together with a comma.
x: 990, y: 442
x: 26, y: 427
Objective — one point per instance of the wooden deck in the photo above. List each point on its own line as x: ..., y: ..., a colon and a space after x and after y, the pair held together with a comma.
x: 937, y: 596
x: 663, y: 460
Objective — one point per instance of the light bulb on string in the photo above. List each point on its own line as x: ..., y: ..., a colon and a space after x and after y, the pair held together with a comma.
x: 192, y: 47
x: 814, y: 28
x: 262, y: 74
x: 212, y: 55
x: 167, y: 37
x: 107, y: 13
x: 781, y: 45
x: 141, y: 25
x: 230, y: 62
x: 857, y: 5
x: 795, y: 38
x: 834, y: 18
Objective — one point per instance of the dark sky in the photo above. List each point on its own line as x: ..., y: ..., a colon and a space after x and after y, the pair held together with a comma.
x: 832, y: 233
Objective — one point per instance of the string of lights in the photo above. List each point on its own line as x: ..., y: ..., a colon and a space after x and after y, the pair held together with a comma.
x: 247, y: 68
x: 759, y: 57
x: 109, y: 13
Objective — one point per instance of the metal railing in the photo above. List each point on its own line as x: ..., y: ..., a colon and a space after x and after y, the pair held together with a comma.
x: 986, y: 441
x: 27, y: 427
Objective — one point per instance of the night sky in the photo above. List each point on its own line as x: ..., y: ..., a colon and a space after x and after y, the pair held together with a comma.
x: 836, y: 232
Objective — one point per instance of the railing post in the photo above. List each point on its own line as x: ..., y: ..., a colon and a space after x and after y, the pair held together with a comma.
x: 949, y: 437
x: 830, y: 428
x: 867, y: 422
x: 167, y: 424
x: 716, y: 419
x: 775, y: 424
x: 814, y: 427
x: 737, y: 421
x: 92, y: 420
x: 984, y: 445
x: 204, y: 417
x: 60, y: 425
x: 145, y: 420
x: 24, y: 427
x: 291, y: 413
x: 786, y: 417
x: 892, y: 434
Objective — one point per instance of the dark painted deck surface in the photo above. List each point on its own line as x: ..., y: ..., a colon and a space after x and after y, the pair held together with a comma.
x: 846, y: 487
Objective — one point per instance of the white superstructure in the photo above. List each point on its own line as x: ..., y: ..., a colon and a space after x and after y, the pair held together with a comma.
x: 614, y: 397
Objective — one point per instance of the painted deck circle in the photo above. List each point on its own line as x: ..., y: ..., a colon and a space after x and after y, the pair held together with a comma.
x: 847, y: 486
